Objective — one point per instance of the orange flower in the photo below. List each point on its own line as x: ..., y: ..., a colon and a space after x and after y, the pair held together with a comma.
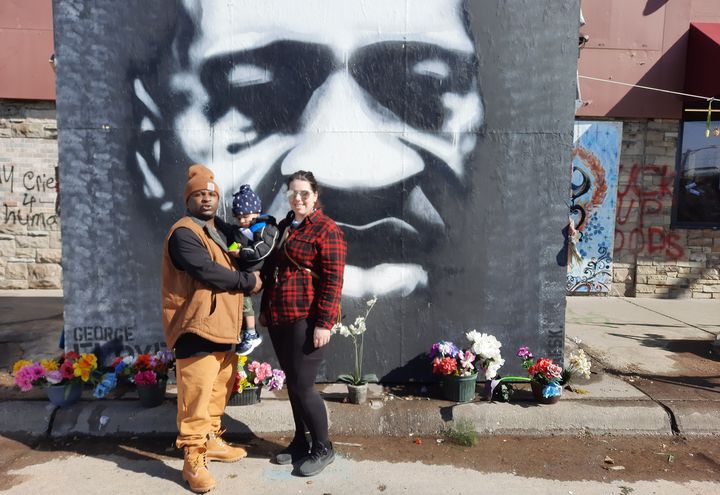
x: 143, y: 362
x: 84, y: 366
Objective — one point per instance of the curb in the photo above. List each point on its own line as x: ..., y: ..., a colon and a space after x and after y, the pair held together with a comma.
x: 124, y: 418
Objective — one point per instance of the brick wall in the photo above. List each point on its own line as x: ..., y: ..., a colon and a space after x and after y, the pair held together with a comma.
x: 650, y: 258
x: 30, y: 246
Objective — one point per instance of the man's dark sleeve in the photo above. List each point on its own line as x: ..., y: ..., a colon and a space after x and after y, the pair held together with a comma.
x: 188, y: 253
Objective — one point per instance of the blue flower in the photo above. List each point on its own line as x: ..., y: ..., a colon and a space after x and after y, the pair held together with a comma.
x: 552, y: 389
x: 108, y: 382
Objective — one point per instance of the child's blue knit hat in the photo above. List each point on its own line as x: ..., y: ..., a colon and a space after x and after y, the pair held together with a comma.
x: 245, y: 201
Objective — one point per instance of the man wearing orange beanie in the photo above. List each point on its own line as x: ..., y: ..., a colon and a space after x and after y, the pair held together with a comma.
x: 202, y: 294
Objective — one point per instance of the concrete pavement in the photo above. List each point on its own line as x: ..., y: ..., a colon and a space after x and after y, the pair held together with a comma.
x: 653, y: 373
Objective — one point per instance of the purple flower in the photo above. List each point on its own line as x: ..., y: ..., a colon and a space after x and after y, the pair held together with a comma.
x: 277, y: 380
x: 524, y: 353
x: 54, y: 377
x: 443, y: 349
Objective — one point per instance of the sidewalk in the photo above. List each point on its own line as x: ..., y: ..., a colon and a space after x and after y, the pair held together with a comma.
x: 653, y: 373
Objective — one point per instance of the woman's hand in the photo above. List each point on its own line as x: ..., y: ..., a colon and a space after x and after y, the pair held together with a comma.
x: 321, y: 337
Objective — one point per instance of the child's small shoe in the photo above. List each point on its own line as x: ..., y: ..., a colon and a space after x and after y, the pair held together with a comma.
x: 249, y: 342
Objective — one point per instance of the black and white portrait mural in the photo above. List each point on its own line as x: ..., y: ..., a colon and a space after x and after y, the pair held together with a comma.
x: 439, y: 131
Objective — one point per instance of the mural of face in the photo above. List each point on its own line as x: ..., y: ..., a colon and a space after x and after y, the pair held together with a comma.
x: 378, y: 98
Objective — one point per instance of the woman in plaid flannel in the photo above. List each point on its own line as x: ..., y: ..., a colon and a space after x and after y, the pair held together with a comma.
x: 300, y: 305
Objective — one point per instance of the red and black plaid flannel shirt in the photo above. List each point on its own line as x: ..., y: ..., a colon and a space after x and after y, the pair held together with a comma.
x: 291, y: 293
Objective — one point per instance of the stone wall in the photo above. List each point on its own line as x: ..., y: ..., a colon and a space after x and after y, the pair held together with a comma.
x: 650, y: 258
x: 30, y: 246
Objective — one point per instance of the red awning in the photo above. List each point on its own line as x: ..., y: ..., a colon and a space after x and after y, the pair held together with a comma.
x: 702, y: 69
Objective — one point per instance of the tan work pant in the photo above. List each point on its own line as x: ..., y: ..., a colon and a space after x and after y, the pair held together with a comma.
x: 204, y: 385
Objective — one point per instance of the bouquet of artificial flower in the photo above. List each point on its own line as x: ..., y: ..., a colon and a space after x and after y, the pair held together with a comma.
x: 70, y: 368
x: 143, y: 369
x: 577, y: 364
x: 543, y: 371
x: 449, y: 360
x: 256, y: 374
x: 487, y: 352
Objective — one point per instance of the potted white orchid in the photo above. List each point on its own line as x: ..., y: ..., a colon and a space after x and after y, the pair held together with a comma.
x: 357, y: 381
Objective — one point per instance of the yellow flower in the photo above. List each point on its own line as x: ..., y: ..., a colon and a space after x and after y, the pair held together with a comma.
x: 20, y: 364
x: 84, y: 366
x: 49, y: 364
x: 241, y: 361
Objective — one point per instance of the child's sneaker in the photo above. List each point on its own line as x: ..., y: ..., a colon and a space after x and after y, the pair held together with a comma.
x: 250, y: 340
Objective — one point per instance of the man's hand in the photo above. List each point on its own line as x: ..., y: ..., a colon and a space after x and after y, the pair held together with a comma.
x: 258, y: 283
x: 262, y: 319
x: 321, y: 337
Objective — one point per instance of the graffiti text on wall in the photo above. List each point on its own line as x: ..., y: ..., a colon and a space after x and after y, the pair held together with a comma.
x: 108, y: 340
x: 34, y: 188
x: 647, y: 199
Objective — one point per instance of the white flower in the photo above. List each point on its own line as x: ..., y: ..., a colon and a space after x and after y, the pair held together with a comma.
x: 493, y: 368
x: 371, y: 302
x: 485, y: 346
x: 358, y: 327
x: 341, y: 329
x: 579, y: 363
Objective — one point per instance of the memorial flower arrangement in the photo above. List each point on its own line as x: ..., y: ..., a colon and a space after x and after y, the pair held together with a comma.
x: 545, y: 371
x: 143, y: 369
x: 356, y: 332
x: 257, y: 374
x: 487, y: 353
x: 578, y: 364
x: 483, y: 355
x: 68, y: 369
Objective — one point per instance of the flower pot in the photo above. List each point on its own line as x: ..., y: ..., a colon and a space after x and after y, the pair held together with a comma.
x: 64, y: 395
x: 537, y: 390
x: 357, y: 394
x: 247, y: 397
x: 458, y: 388
x: 152, y: 395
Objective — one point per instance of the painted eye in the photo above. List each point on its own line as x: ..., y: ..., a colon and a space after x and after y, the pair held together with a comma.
x: 436, y: 68
x: 249, y: 75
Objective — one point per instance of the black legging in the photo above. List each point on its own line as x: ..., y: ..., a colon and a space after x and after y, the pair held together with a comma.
x: 300, y: 360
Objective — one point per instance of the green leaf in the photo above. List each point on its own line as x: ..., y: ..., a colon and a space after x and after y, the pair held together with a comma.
x: 348, y: 379
x: 370, y: 378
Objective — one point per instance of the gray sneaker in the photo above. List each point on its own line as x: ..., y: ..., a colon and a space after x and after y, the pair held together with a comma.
x: 318, y: 460
x: 295, y: 452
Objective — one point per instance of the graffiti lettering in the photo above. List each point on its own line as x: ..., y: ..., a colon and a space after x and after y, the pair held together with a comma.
x: 646, y: 197
x: 7, y: 176
x: 31, y: 183
x: 98, y: 332
x: 107, y: 342
x: 39, y: 183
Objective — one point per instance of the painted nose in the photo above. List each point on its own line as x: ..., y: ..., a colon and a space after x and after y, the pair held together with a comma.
x: 348, y: 141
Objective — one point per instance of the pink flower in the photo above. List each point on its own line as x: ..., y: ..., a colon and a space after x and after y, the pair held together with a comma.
x: 554, y: 371
x: 262, y: 371
x: 524, y: 353
x: 54, y: 377
x: 145, y: 378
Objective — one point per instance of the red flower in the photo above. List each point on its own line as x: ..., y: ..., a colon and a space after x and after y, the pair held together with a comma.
x: 143, y: 362
x: 444, y: 366
x: 67, y: 370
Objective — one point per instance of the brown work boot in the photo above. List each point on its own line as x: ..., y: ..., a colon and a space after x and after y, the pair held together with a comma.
x: 219, y: 450
x: 195, y: 470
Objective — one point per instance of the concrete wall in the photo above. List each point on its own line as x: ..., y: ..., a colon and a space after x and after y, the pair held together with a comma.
x: 30, y: 244
x: 651, y: 259
x: 440, y: 133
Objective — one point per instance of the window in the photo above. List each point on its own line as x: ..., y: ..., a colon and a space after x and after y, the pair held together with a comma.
x: 697, y: 184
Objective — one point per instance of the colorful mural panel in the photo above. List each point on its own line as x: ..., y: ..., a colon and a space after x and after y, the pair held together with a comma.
x: 595, y: 160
